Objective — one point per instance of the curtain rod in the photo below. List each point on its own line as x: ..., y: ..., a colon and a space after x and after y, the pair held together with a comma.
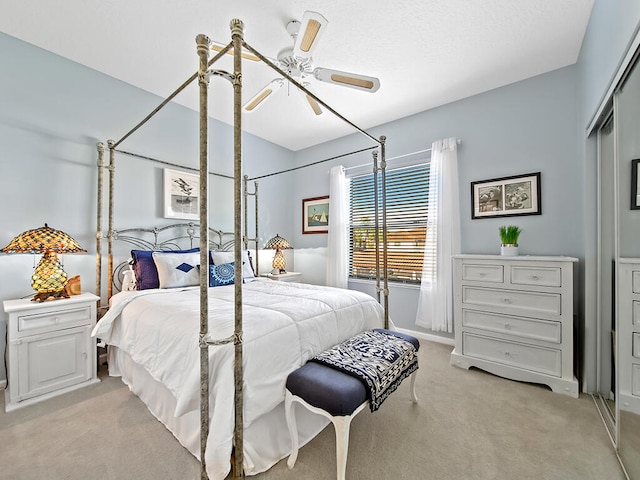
x: 458, y: 142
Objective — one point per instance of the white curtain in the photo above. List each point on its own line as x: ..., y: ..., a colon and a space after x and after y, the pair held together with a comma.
x: 337, y: 242
x: 435, y: 304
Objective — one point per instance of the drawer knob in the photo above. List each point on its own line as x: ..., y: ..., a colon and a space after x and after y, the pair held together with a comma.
x: 57, y: 319
x: 482, y: 274
x: 535, y: 277
x: 507, y: 326
x: 507, y: 300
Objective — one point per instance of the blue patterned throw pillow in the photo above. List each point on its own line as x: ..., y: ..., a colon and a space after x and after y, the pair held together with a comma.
x: 222, y: 274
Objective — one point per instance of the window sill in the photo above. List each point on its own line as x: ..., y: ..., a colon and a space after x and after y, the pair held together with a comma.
x: 364, y: 281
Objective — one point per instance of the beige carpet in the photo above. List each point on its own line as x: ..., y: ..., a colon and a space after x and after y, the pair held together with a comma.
x: 467, y: 425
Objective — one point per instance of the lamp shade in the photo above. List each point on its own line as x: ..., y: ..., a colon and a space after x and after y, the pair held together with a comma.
x: 278, y: 243
x: 42, y: 240
x: 49, y: 278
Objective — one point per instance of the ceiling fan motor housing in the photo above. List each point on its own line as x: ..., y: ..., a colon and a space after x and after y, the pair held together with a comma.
x: 295, y: 66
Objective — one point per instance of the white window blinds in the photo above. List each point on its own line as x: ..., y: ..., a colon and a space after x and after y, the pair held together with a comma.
x: 407, y: 201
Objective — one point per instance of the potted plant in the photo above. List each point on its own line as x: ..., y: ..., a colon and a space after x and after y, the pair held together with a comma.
x: 509, y: 235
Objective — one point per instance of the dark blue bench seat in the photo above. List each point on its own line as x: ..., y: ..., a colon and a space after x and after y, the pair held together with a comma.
x: 333, y: 394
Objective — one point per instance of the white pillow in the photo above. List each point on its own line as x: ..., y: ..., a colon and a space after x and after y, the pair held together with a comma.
x: 220, y: 258
x: 177, y: 269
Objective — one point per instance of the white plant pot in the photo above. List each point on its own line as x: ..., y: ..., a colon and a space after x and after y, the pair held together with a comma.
x: 509, y: 250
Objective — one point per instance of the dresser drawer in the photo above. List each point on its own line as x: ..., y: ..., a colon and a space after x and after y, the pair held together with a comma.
x: 635, y: 379
x: 635, y: 313
x: 483, y: 273
x: 530, y: 328
x: 68, y: 317
x: 527, y: 357
x: 514, y: 300
x: 543, y: 276
x: 635, y: 345
x: 635, y: 281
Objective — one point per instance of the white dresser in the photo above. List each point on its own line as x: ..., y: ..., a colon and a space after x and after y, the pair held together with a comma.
x: 49, y: 348
x: 628, y: 333
x: 513, y: 317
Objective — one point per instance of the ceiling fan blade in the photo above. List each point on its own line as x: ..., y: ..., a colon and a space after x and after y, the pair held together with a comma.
x: 315, y: 106
x: 217, y: 47
x: 259, y: 98
x: 347, y: 79
x: 312, y: 27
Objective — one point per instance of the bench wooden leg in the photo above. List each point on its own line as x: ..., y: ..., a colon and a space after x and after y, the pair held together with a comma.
x: 341, y: 424
x: 293, y: 428
x: 414, y: 397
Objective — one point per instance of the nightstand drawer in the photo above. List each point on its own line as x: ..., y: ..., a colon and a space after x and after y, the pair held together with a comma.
x: 483, y: 273
x: 543, y: 276
x: 530, y: 328
x: 529, y: 357
x: 63, y: 318
x: 513, y: 300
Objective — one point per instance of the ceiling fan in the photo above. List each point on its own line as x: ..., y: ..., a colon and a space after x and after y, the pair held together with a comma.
x: 297, y: 62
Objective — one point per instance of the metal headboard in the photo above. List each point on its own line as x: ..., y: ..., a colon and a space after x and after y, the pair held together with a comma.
x: 177, y: 236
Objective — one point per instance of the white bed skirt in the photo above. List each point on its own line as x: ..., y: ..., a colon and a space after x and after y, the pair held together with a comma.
x: 266, y: 440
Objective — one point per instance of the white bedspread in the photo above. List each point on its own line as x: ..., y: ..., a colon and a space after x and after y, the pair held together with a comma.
x: 285, y: 324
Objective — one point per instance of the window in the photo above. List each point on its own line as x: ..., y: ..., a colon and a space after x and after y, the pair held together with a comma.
x: 407, y: 201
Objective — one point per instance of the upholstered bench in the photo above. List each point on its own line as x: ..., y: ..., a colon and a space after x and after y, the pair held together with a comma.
x: 337, y: 395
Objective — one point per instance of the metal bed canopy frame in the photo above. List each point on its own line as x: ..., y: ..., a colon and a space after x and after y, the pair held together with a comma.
x: 206, y: 340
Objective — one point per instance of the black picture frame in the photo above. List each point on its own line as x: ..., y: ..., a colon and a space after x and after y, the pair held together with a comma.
x: 635, y: 185
x: 506, y: 196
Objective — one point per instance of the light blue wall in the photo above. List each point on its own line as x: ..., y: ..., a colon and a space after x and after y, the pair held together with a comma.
x: 526, y: 127
x: 53, y: 113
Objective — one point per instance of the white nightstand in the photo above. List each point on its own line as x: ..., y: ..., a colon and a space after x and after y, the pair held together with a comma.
x: 284, y: 277
x: 49, y: 348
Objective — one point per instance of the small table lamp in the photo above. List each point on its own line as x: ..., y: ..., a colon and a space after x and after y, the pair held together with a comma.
x: 278, y: 243
x: 48, y: 279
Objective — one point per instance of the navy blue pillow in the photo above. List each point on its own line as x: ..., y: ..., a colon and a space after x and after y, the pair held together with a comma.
x: 223, y: 274
x: 145, y: 268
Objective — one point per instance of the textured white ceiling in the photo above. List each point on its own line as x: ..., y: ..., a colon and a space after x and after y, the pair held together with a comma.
x: 425, y: 52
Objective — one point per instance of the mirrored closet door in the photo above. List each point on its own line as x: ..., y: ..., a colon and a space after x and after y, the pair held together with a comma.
x: 618, y: 265
x: 606, y: 245
x: 627, y: 128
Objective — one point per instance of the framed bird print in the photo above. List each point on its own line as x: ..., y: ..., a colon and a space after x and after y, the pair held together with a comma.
x: 181, y: 195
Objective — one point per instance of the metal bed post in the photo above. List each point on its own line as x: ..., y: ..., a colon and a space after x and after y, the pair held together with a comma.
x: 245, y: 237
x: 375, y: 215
x: 383, y: 168
x: 112, y: 171
x: 100, y: 147
x: 202, y: 42
x: 237, y: 28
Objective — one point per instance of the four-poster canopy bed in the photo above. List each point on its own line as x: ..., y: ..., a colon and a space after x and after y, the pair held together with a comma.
x: 255, y: 317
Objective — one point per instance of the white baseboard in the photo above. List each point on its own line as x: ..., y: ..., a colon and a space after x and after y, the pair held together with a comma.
x: 3, y: 384
x: 429, y: 337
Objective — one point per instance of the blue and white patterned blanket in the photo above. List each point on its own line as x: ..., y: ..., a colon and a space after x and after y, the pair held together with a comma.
x: 381, y: 360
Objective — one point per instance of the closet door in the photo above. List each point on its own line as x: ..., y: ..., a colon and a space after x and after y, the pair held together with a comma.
x: 606, y: 244
x: 627, y: 117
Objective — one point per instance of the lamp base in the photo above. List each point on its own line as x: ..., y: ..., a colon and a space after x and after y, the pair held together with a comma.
x: 46, y: 296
